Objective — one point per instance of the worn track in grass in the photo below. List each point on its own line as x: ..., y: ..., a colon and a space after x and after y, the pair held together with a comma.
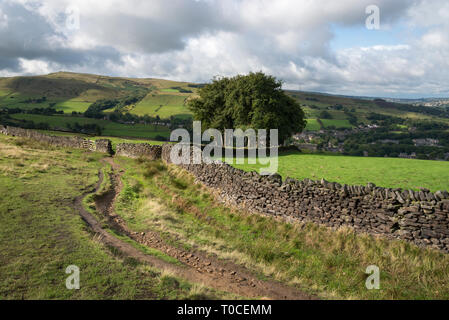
x: 197, y: 267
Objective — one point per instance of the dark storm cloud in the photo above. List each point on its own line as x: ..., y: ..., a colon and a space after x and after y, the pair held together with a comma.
x: 27, y: 35
x: 9, y: 64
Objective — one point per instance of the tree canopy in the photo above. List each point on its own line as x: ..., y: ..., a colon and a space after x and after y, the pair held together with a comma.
x: 325, y: 115
x: 254, y: 101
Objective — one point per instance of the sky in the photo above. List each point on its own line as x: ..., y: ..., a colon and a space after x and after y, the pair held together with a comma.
x: 311, y: 45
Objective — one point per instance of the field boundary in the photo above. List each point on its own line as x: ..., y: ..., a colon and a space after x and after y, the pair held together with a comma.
x: 420, y: 217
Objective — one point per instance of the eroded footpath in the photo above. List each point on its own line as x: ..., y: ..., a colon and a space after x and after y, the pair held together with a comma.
x: 196, y: 267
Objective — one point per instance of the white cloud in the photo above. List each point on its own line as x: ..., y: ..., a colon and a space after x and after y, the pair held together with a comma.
x: 35, y: 66
x: 196, y: 40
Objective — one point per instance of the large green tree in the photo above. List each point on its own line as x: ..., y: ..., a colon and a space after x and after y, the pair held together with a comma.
x: 254, y: 101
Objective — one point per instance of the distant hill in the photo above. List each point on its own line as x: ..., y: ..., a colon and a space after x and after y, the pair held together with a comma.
x: 70, y: 92
x: 346, y: 111
x: 427, y: 102
x: 75, y: 92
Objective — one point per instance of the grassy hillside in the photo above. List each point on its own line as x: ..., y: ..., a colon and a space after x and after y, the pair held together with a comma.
x: 41, y: 233
x: 38, y: 245
x: 328, y: 263
x: 164, y: 98
x: 70, y: 92
x: 315, y: 103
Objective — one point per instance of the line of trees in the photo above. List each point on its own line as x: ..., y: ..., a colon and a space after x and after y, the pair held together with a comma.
x: 90, y: 128
x: 42, y: 111
x: 96, y: 109
x: 6, y: 120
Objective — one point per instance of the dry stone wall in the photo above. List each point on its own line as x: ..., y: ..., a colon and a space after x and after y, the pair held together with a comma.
x: 139, y: 150
x: 421, y: 217
x: 104, y: 146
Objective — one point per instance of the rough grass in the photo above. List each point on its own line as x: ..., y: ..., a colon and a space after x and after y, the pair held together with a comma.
x: 384, y: 172
x: 41, y: 233
x: 329, y: 263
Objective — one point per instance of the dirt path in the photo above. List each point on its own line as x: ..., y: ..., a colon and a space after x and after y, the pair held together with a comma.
x: 197, y: 267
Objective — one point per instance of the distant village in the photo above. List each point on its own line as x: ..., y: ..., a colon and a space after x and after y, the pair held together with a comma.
x: 333, y: 141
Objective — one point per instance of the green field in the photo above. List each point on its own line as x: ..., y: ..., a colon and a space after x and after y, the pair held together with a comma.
x: 169, y: 90
x: 384, y: 172
x: 73, y: 105
x: 163, y: 105
x: 110, y: 128
x: 312, y: 125
x: 337, y: 123
x: 67, y: 105
x: 3, y: 93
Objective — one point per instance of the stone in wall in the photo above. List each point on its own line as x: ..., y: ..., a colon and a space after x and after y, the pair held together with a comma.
x: 139, y: 150
x: 104, y: 146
